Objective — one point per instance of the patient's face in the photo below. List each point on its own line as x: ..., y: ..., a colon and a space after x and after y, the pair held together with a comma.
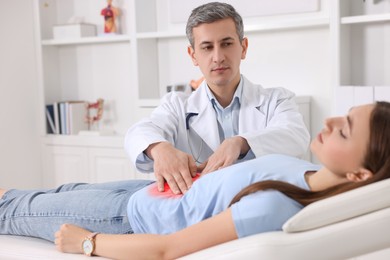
x: 342, y: 144
x: 218, y: 52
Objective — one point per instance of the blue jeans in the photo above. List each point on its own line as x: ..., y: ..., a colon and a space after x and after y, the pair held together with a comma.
x: 96, y: 207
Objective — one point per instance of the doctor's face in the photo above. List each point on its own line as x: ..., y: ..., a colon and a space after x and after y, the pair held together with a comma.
x: 342, y: 144
x: 218, y: 52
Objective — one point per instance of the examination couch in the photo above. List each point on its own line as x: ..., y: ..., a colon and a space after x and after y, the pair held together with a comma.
x: 352, y: 225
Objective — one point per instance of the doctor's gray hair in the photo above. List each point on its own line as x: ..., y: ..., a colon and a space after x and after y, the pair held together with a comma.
x: 212, y: 12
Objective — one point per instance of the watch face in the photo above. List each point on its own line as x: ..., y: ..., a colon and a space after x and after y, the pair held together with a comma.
x: 87, y: 247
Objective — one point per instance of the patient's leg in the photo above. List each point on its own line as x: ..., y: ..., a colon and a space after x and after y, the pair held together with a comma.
x: 99, y: 208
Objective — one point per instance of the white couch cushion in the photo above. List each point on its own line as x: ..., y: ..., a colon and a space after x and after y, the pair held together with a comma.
x: 344, y: 240
x: 25, y: 248
x: 344, y: 206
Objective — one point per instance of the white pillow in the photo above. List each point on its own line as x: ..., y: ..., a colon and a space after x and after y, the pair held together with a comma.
x: 344, y: 206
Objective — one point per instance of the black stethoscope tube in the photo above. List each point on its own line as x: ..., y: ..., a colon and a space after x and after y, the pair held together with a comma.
x: 188, y: 117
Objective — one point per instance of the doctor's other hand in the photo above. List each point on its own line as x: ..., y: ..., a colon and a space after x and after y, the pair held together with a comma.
x: 172, y: 166
x: 69, y: 238
x: 225, y: 155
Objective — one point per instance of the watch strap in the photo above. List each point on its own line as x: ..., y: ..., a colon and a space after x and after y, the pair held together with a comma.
x: 93, y: 235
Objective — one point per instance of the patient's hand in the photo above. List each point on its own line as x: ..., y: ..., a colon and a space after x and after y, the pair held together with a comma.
x: 69, y: 238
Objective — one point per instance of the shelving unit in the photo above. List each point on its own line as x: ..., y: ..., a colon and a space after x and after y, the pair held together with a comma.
x: 361, y: 40
x: 149, y: 54
x: 86, y: 40
x: 80, y: 69
x: 159, y: 46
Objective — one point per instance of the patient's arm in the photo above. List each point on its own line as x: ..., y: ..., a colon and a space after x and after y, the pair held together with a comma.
x: 210, y: 232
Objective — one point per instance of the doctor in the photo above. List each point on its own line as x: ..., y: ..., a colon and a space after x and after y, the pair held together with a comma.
x: 226, y: 120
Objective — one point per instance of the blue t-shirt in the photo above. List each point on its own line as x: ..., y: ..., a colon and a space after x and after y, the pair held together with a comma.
x: 263, y: 211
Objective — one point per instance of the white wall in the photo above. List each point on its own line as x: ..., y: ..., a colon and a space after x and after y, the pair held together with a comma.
x: 20, y: 165
x: 296, y: 60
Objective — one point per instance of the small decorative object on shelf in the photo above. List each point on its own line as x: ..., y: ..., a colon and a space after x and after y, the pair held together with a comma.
x: 195, y: 83
x: 95, y: 114
x: 110, y: 14
x: 94, y: 117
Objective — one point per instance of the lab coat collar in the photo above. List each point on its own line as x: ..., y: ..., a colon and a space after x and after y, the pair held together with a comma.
x: 252, y: 108
x: 205, y: 123
x: 251, y: 95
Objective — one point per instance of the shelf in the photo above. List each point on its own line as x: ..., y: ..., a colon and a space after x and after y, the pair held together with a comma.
x: 111, y: 141
x: 288, y: 24
x: 160, y: 35
x: 87, y: 40
x: 365, y: 19
x: 266, y: 26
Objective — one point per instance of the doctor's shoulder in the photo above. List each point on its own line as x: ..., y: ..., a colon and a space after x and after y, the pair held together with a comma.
x: 276, y: 95
x: 278, y: 92
x: 265, y: 95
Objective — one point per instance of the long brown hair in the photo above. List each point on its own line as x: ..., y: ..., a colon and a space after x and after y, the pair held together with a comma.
x: 377, y: 160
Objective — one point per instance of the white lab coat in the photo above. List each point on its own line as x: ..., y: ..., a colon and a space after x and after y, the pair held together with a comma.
x: 268, y: 119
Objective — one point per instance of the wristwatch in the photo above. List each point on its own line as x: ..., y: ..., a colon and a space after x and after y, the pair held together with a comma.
x: 88, y: 244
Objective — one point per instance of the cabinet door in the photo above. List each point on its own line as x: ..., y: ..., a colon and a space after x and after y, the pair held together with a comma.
x: 109, y: 164
x: 64, y: 164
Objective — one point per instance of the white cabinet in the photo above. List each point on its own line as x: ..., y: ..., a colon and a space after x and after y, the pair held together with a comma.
x: 64, y: 164
x: 109, y: 164
x: 360, y: 37
x: 66, y: 159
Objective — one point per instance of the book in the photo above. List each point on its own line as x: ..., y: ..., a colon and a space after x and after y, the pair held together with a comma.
x: 67, y: 131
x: 62, y: 118
x: 76, y: 117
x: 56, y: 118
x: 67, y: 117
x: 51, y: 128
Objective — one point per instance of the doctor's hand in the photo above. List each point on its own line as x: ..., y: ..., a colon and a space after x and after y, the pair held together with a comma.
x: 172, y: 166
x: 226, y: 154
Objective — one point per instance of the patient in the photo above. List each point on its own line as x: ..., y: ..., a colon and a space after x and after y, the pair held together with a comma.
x: 234, y: 202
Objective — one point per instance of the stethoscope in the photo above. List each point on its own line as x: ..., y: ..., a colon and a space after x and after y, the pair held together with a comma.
x: 196, y: 158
